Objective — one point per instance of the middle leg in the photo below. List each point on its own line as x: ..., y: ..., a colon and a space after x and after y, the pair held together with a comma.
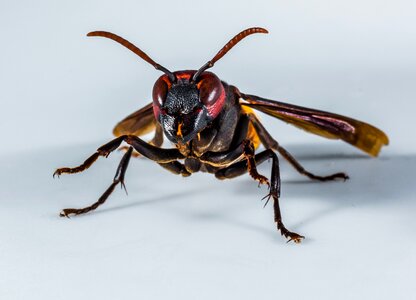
x: 241, y: 167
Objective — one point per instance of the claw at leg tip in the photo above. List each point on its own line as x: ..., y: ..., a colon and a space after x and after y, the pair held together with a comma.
x: 123, y: 186
x: 297, y: 239
x: 64, y: 214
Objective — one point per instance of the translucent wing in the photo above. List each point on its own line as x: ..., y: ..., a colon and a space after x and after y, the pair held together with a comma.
x: 138, y: 123
x: 359, y: 134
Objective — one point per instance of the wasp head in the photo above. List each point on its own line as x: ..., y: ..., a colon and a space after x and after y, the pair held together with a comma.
x: 185, y: 107
x: 185, y: 102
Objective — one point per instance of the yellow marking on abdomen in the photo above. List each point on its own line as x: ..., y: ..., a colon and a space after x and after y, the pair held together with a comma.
x: 251, y: 133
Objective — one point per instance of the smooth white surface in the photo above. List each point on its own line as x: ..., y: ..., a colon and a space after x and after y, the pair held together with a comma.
x: 198, y: 238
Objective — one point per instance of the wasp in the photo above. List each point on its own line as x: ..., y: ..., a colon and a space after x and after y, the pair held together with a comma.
x: 214, y: 129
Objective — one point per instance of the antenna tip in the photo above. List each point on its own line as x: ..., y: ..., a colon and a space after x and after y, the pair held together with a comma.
x: 94, y: 33
x: 261, y: 30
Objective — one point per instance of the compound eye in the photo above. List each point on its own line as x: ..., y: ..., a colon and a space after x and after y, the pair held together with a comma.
x: 210, y: 89
x: 160, y: 90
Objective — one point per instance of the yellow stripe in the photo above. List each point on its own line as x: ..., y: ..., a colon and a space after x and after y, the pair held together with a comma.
x: 251, y: 133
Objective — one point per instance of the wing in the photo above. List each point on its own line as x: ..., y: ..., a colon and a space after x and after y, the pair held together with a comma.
x: 359, y: 134
x: 138, y: 123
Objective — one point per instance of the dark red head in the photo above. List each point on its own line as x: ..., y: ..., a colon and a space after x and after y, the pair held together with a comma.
x: 185, y: 107
x: 185, y: 102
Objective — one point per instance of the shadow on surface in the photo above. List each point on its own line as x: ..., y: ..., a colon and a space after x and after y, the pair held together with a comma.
x: 374, y: 182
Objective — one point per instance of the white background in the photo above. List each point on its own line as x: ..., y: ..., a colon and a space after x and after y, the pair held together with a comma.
x: 198, y: 238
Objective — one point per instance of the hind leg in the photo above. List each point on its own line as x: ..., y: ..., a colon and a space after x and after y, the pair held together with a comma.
x: 270, y: 143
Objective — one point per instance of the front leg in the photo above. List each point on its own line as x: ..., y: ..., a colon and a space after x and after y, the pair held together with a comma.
x: 157, y: 140
x: 104, y: 150
x: 118, y: 179
x: 154, y: 153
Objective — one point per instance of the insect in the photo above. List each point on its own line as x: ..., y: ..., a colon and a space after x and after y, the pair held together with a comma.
x: 214, y: 129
